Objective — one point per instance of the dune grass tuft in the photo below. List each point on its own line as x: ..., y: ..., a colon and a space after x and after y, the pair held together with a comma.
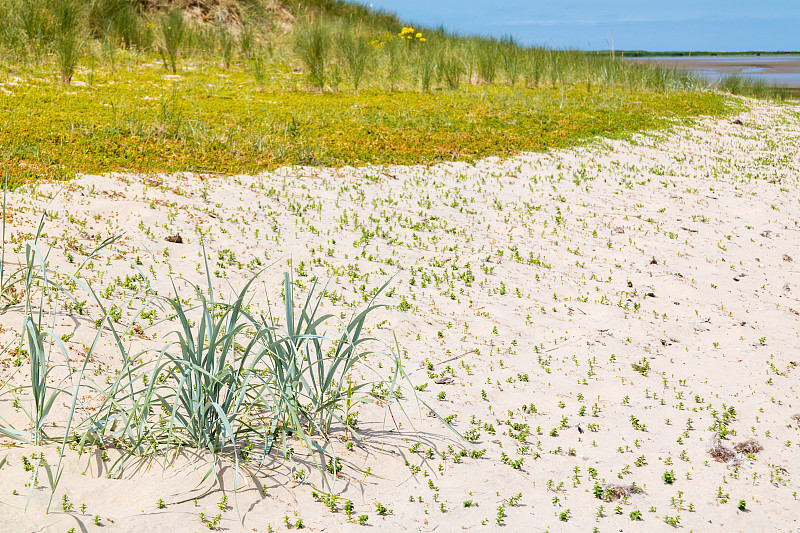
x: 224, y: 382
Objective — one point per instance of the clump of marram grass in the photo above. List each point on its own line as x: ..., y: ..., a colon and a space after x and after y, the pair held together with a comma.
x: 312, y: 43
x: 67, y: 16
x: 247, y: 40
x: 226, y: 40
x: 173, y: 34
x: 487, y: 59
x: 510, y: 58
x: 426, y: 67
x: 451, y: 67
x: 394, y: 50
x: 117, y: 23
x: 231, y: 380
x: 354, y: 52
x: 227, y: 382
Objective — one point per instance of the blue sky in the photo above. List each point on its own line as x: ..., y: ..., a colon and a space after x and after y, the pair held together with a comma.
x: 589, y: 24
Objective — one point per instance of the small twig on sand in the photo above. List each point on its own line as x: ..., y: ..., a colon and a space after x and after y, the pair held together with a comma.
x: 456, y: 357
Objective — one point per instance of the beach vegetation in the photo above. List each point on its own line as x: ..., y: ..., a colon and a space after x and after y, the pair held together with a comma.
x: 271, y: 99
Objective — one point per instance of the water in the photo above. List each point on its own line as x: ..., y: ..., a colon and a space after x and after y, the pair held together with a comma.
x: 777, y: 70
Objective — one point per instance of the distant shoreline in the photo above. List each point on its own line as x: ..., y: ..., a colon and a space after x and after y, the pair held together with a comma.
x: 684, y: 53
x: 781, y: 70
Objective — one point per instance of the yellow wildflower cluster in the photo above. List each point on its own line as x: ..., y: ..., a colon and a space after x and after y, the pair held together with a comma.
x: 408, y: 33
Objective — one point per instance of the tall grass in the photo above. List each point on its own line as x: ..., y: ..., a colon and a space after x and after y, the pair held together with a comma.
x: 39, y: 288
x: 226, y: 42
x: 510, y: 58
x: 173, y: 34
x: 333, y: 39
x: 354, y: 52
x: 247, y: 40
x: 209, y: 392
x: 435, y: 56
x: 758, y: 88
x: 532, y: 69
x: 33, y: 21
x: 116, y: 21
x: 67, y: 18
x: 426, y: 67
x: 312, y: 42
x: 487, y: 59
x: 451, y: 67
x: 259, y: 68
x: 43, y: 394
x: 394, y: 51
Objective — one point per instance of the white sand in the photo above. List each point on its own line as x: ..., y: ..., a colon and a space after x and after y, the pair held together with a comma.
x: 680, y: 250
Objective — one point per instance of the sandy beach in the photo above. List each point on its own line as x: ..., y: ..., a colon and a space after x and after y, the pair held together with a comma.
x: 592, y: 317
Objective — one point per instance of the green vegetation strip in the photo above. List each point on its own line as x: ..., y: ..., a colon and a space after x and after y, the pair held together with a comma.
x: 216, y: 120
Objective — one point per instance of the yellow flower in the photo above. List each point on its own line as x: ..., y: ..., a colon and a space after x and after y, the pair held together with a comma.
x: 419, y: 36
x: 422, y: 39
